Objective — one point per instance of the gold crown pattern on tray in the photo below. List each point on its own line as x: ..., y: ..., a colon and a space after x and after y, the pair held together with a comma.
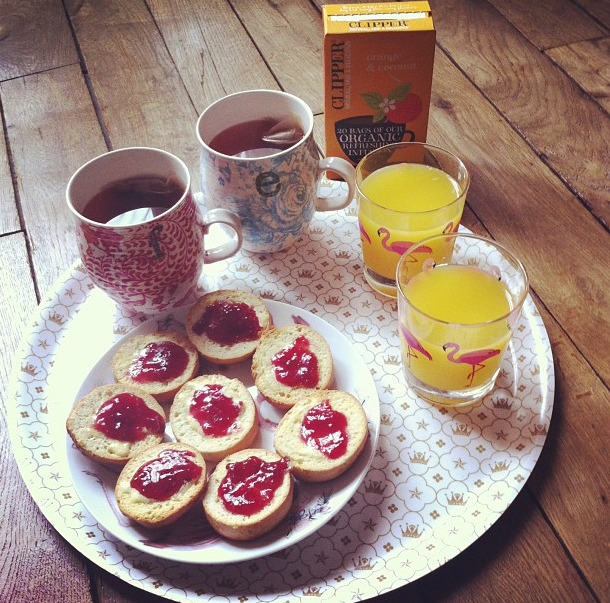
x: 438, y: 479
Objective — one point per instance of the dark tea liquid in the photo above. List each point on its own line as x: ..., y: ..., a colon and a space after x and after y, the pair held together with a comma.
x: 247, y: 139
x: 118, y: 201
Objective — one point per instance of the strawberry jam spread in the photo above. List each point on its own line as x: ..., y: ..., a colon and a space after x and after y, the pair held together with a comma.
x: 215, y: 412
x: 296, y: 365
x: 162, y: 477
x: 159, y: 361
x: 127, y: 418
x: 228, y: 323
x: 325, y: 429
x: 250, y: 484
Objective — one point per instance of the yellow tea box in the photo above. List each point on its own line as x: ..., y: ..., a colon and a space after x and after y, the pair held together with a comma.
x: 378, y: 61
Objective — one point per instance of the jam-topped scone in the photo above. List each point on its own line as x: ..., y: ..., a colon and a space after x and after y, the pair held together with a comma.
x: 113, y: 423
x: 249, y: 493
x: 214, y: 414
x: 160, y: 363
x: 226, y: 325
x: 322, y: 435
x: 290, y: 362
x: 161, y: 483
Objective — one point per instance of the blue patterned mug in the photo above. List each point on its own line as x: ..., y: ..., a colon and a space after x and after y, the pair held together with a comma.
x: 272, y: 187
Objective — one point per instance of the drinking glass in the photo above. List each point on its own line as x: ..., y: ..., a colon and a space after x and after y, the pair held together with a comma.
x: 406, y: 192
x: 458, y: 304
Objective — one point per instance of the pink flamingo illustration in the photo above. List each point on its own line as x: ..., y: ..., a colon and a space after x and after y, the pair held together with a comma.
x: 400, y: 247
x: 475, y: 358
x: 363, y: 233
x: 413, y: 345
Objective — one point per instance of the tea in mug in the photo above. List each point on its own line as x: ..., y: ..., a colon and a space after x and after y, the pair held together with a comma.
x: 258, y: 138
x: 116, y: 202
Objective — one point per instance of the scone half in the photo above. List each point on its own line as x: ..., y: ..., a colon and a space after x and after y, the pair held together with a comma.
x: 162, y: 483
x: 214, y: 414
x: 322, y: 435
x: 239, y: 521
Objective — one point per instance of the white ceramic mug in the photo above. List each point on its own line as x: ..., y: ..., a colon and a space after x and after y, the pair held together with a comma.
x: 275, y: 195
x: 144, y: 261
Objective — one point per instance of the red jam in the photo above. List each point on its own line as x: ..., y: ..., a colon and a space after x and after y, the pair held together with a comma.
x: 162, y: 477
x: 159, y: 361
x: 215, y: 412
x: 127, y: 418
x: 325, y: 429
x: 228, y: 323
x: 249, y: 485
x: 296, y: 365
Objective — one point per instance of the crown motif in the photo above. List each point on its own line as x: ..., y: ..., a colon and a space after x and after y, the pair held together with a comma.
x: 500, y: 466
x: 411, y: 531
x: 317, y: 230
x: 57, y: 318
x: 267, y: 294
x: 121, y: 330
x: 392, y: 360
x: 539, y: 430
x: 242, y: 268
x: 374, y: 487
x: 225, y: 582
x: 305, y: 273
x: 463, y: 430
x: 342, y: 255
x: 502, y: 403
x: 362, y: 329
x: 456, y: 499
x: 333, y: 300
x: 351, y: 211
x: 419, y: 457
x: 363, y: 563
x: 536, y: 370
x: 385, y: 419
x: 30, y: 369
x: 473, y: 261
x: 312, y: 591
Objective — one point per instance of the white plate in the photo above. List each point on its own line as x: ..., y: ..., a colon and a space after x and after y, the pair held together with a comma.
x: 191, y: 539
x: 439, y: 479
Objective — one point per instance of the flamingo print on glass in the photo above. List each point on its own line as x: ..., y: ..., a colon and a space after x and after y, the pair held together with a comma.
x: 406, y: 192
x: 457, y: 309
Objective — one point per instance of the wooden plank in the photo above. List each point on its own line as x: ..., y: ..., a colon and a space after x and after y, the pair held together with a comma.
x: 589, y: 64
x: 141, y: 97
x: 48, y: 568
x: 569, y: 131
x: 549, y: 23
x: 52, y: 130
x: 289, y: 35
x: 211, y: 49
x: 600, y: 10
x: 34, y: 36
x: 501, y: 565
x: 9, y: 217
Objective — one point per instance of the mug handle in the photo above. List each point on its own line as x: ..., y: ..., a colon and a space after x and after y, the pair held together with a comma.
x: 347, y: 171
x: 233, y: 245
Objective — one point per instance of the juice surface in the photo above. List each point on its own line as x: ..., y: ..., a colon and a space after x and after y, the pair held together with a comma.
x: 459, y: 294
x: 410, y: 187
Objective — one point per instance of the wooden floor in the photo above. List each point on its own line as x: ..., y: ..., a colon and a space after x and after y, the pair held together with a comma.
x: 521, y: 90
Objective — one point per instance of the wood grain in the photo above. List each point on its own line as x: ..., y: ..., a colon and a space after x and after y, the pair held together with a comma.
x: 9, y: 217
x: 34, y: 36
x: 567, y: 129
x: 588, y: 63
x: 211, y: 49
x: 550, y: 23
x: 52, y: 130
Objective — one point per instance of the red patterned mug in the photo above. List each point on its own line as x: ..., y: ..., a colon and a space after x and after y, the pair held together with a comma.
x: 140, y: 232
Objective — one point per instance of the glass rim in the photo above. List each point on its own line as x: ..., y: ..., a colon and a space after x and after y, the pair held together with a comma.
x: 504, y: 250
x: 459, y: 198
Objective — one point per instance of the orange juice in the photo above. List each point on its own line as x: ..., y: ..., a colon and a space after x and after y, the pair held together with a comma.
x: 413, y: 193
x: 454, y: 330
